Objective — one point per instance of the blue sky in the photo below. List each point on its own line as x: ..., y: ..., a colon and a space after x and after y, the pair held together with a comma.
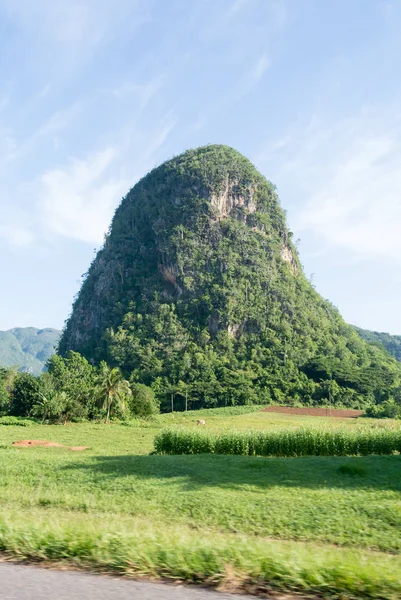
x: 94, y: 93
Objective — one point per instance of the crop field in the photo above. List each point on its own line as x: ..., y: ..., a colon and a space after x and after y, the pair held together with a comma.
x: 313, y: 441
x: 329, y: 526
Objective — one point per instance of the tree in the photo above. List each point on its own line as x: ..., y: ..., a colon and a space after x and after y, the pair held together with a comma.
x: 112, y: 389
x: 24, y: 394
x: 183, y: 390
x: 50, y: 406
x: 7, y: 379
x: 75, y: 376
x: 143, y: 402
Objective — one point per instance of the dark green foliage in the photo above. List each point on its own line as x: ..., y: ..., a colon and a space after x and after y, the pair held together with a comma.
x: 5, y: 386
x: 10, y: 421
x: 112, y: 391
x: 58, y: 407
x: 387, y: 410
x: 392, y: 343
x: 291, y: 442
x: 142, y: 402
x: 74, y: 376
x: 352, y: 470
x: 27, y: 348
x: 198, y: 292
x: 24, y: 395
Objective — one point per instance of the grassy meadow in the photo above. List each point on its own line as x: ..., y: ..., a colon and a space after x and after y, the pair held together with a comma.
x: 324, y: 525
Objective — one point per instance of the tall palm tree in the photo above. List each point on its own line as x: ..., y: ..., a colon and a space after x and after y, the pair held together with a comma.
x: 112, y: 388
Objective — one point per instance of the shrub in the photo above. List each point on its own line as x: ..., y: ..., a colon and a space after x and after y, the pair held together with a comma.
x: 8, y: 420
x: 293, y: 442
x: 143, y: 402
x: 387, y: 410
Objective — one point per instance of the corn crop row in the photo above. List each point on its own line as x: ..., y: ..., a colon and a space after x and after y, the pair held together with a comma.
x: 292, y: 442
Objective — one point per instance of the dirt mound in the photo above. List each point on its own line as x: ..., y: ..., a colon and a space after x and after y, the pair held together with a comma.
x: 46, y: 444
x: 316, y: 412
x: 26, y: 443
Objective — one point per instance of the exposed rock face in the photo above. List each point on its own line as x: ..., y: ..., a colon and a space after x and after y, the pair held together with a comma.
x: 234, y: 200
x: 288, y: 256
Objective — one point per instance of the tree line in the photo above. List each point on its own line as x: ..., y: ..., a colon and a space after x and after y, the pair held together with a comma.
x: 73, y: 390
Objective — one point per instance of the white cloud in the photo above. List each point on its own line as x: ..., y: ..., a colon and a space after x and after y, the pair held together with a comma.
x: 15, y: 235
x: 350, y: 174
x: 77, y: 201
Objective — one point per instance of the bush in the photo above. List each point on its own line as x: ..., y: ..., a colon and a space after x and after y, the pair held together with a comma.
x: 16, y: 421
x: 292, y: 442
x: 387, y: 410
x: 143, y: 402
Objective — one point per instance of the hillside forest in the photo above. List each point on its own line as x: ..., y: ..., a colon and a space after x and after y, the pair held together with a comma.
x: 197, y: 300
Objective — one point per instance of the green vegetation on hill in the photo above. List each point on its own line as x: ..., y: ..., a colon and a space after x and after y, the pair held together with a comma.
x: 199, y: 293
x: 392, y: 343
x: 27, y: 348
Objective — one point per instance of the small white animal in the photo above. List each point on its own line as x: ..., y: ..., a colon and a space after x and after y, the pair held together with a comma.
x: 201, y: 422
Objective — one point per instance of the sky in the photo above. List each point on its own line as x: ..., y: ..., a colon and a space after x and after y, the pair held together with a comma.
x: 95, y: 93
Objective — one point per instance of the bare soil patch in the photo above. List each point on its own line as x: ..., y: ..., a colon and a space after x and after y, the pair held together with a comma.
x: 46, y: 444
x: 316, y: 412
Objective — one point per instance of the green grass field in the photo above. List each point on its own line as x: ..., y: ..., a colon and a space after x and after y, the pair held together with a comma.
x: 330, y: 526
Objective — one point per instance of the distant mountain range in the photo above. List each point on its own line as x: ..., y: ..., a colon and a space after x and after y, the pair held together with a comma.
x: 392, y: 343
x: 27, y: 348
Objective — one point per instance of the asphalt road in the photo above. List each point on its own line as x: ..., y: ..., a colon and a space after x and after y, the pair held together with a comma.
x: 19, y: 582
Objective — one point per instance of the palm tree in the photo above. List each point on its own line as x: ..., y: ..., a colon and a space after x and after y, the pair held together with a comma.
x: 51, y: 406
x: 112, y: 388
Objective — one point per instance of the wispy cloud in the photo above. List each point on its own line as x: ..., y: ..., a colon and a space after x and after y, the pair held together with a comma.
x: 349, y: 173
x: 143, y: 91
x: 15, y: 235
x: 74, y: 28
x: 43, y: 92
x: 4, y: 100
x: 77, y: 201
x: 52, y: 125
x: 8, y: 146
x: 254, y: 75
x: 167, y: 125
x: 238, y: 5
x: 259, y: 68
